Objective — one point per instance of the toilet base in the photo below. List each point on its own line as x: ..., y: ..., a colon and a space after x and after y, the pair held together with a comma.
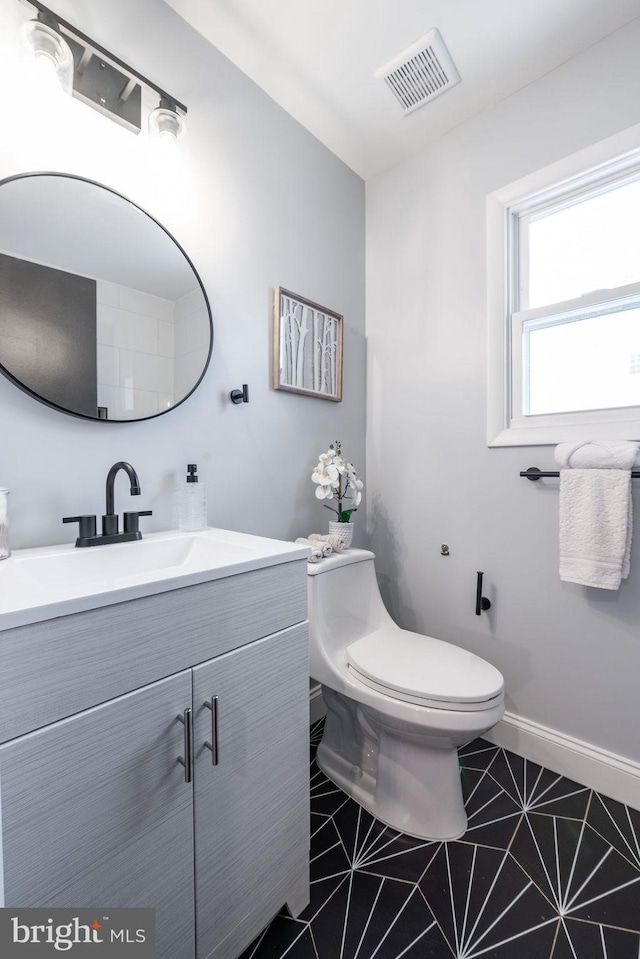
x: 407, y: 784
x: 437, y: 826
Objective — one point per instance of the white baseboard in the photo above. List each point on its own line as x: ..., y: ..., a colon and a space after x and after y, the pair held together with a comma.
x: 588, y: 765
x: 317, y: 708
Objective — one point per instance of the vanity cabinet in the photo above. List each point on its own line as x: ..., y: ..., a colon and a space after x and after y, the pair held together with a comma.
x: 95, y: 812
x: 104, y: 806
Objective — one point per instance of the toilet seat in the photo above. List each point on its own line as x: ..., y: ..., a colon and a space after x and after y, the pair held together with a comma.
x: 424, y: 671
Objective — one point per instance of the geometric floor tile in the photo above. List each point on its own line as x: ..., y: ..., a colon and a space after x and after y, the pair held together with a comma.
x: 329, y: 864
x: 485, y: 903
x: 478, y: 754
x: 547, y: 869
x: 326, y: 798
x: 284, y: 936
x: 375, y: 848
x: 492, y: 814
x: 370, y: 915
x: 538, y: 790
x: 618, y: 824
x: 584, y: 940
x: 579, y: 872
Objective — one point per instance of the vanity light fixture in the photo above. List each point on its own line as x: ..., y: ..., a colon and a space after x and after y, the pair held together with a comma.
x: 99, y: 78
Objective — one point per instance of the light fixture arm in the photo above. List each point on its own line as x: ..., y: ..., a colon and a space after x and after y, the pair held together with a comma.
x: 45, y: 16
x: 49, y: 17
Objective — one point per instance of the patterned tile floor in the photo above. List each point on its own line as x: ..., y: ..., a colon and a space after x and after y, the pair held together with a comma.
x: 547, y: 869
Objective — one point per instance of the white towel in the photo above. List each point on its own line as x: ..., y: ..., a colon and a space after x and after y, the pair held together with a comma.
x: 335, y: 541
x: 595, y: 526
x: 316, y: 552
x: 324, y: 548
x: 597, y: 454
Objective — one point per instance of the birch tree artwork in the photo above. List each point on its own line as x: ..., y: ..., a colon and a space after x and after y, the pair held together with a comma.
x: 308, y: 347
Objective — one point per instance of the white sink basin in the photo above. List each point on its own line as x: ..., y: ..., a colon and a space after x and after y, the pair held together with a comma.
x: 38, y: 584
x: 121, y: 561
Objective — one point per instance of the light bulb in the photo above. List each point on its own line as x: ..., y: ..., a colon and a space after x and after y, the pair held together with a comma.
x: 45, y: 65
x: 166, y: 124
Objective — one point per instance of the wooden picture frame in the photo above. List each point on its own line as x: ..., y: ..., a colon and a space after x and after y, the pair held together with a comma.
x: 307, y: 348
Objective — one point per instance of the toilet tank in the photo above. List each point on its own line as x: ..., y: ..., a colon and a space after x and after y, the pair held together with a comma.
x: 344, y: 605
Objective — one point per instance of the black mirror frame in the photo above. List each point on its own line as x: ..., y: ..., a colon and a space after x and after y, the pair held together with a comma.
x: 98, y: 419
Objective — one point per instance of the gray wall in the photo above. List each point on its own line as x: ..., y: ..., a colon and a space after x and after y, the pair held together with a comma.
x: 570, y: 655
x: 256, y: 202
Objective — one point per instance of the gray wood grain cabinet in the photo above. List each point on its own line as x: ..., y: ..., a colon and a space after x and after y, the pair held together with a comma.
x: 95, y: 806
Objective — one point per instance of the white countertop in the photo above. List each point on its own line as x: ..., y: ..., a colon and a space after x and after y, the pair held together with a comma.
x: 50, y: 581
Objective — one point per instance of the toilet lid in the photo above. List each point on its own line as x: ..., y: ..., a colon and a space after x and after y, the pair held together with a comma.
x: 414, y: 667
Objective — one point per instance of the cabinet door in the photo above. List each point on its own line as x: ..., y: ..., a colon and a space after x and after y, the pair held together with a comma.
x: 252, y: 808
x: 96, y: 812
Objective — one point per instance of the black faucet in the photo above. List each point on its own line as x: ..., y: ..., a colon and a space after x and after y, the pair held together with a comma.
x: 110, y: 532
x: 110, y: 519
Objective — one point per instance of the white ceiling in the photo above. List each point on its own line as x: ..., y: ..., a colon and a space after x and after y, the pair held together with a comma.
x: 316, y: 58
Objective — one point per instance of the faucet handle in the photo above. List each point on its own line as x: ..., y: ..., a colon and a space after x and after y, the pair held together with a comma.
x: 131, y: 520
x: 87, y: 526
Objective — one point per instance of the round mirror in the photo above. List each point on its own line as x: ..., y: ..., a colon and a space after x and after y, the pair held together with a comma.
x: 102, y: 314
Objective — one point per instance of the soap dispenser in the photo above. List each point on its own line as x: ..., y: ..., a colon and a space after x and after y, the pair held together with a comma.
x: 192, y: 502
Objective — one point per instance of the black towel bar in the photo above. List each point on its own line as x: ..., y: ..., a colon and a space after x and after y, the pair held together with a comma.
x: 533, y: 473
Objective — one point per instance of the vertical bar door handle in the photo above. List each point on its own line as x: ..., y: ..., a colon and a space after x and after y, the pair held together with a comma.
x: 212, y: 704
x: 187, y: 720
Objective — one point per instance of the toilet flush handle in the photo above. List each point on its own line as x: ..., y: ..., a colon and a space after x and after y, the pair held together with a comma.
x: 482, y: 603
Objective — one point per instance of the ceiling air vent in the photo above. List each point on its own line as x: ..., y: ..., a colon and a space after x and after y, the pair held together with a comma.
x: 423, y: 71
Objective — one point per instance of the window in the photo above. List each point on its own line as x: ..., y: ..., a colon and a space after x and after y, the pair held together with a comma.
x: 564, y: 300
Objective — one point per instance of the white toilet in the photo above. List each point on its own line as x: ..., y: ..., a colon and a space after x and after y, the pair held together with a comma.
x: 398, y: 704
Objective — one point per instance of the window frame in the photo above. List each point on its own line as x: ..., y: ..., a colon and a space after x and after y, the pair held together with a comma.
x: 613, y: 160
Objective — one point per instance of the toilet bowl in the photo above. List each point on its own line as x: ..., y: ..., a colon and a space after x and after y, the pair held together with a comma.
x: 399, y: 704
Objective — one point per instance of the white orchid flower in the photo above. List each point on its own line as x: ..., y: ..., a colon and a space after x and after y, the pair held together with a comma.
x: 335, y: 476
x: 321, y: 477
x: 325, y: 475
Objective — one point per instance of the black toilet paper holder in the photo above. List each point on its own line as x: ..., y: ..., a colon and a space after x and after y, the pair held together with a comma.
x: 482, y: 603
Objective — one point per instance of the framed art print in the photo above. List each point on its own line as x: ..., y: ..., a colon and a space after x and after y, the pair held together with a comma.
x: 307, y: 355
